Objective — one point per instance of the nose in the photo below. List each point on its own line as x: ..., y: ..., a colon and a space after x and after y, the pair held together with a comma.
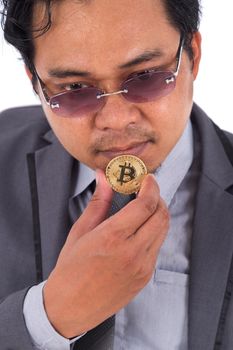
x: 117, y: 113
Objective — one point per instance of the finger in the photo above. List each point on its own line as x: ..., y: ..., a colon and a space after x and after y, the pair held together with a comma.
x: 96, y: 210
x: 148, y: 241
x: 149, y: 183
x: 129, y: 219
x: 151, y: 256
x: 153, y: 231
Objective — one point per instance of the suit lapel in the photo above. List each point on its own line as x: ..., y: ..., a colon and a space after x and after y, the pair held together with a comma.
x: 53, y: 175
x: 212, y: 243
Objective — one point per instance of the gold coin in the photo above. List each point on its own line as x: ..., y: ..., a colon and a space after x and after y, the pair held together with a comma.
x: 125, y: 173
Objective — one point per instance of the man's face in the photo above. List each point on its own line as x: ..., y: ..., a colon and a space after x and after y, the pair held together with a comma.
x: 100, y: 37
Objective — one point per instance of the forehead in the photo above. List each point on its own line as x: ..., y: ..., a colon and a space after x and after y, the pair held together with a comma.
x: 102, y: 33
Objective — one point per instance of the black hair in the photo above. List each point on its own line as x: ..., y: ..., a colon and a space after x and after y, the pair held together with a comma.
x: 184, y: 15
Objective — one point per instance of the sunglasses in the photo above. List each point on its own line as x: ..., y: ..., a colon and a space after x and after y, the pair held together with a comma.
x: 147, y: 86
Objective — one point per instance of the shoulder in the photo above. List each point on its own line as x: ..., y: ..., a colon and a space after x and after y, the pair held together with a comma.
x: 229, y: 136
x: 22, y: 125
x: 216, y: 144
x: 205, y: 124
x: 22, y: 117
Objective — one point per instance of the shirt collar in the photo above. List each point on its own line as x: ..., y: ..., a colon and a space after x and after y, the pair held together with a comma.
x: 83, y: 178
x: 169, y: 175
x: 173, y: 170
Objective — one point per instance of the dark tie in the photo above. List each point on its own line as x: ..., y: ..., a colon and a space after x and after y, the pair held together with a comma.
x: 74, y: 203
x: 119, y: 201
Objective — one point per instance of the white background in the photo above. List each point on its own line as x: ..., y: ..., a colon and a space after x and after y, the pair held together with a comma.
x: 213, y: 88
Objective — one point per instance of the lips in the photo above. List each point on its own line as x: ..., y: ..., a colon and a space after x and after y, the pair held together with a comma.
x: 123, y: 148
x: 133, y: 149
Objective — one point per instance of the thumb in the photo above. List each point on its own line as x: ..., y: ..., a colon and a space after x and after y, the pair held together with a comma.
x: 96, y: 210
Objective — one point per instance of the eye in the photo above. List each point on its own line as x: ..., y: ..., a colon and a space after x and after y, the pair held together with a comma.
x: 142, y: 73
x: 145, y: 75
x: 74, y: 86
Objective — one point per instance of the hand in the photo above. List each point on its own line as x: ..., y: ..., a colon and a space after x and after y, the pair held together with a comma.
x: 105, y: 262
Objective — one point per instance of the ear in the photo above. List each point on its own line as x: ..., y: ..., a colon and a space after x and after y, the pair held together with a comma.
x: 29, y: 73
x: 196, y: 47
x: 32, y: 78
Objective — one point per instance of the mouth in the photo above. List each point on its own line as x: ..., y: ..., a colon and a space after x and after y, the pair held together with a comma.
x: 135, y: 149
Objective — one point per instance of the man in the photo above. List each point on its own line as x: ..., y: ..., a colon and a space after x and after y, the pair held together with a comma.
x: 114, y: 78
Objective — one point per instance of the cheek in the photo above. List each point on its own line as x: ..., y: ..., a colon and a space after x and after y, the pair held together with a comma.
x: 169, y: 115
x: 166, y: 114
x: 175, y: 108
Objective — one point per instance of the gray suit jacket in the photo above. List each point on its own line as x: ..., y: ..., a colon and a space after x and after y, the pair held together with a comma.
x: 35, y: 173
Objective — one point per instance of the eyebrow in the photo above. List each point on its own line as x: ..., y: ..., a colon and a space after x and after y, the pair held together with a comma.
x: 144, y: 57
x: 66, y: 73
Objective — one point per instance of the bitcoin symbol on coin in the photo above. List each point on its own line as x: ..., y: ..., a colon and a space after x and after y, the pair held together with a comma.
x: 127, y: 173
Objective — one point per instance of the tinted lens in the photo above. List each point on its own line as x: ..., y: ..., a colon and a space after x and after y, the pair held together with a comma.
x: 76, y: 103
x: 149, y: 86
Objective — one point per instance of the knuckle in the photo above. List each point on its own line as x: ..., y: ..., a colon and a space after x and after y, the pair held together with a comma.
x: 149, y: 205
x: 146, y: 271
x: 111, y: 240
x: 124, y: 232
x: 121, y: 231
x: 96, y: 200
x: 144, y: 276
x: 128, y: 260
x: 148, y: 276
x: 164, y: 213
x: 114, y: 236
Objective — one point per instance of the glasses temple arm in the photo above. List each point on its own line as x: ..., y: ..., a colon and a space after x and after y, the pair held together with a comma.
x: 42, y: 87
x: 179, y: 54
